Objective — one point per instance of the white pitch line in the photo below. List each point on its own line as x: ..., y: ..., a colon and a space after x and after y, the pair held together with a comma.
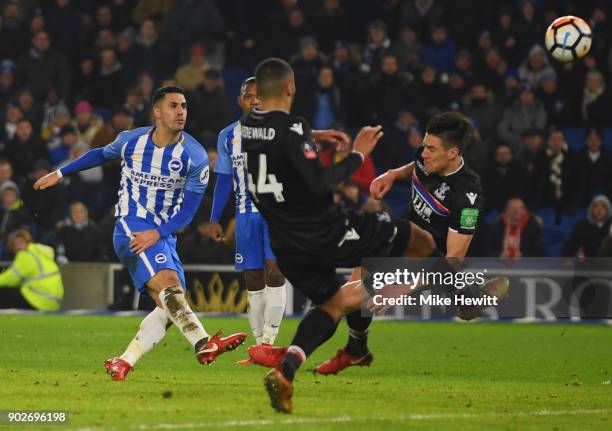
x: 340, y: 419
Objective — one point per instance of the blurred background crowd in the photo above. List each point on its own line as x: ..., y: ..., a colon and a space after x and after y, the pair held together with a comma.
x: 73, y: 74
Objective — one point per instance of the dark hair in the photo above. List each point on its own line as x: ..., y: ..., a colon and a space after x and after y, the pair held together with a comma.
x: 248, y: 81
x: 271, y: 74
x: 452, y: 128
x: 161, y: 92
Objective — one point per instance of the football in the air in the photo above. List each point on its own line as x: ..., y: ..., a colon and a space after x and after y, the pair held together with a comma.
x: 568, y: 38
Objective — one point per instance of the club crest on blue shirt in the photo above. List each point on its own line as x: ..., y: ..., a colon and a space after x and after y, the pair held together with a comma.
x: 175, y: 165
x: 441, y: 191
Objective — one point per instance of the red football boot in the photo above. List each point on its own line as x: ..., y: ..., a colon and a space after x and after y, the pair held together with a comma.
x: 266, y: 355
x: 343, y: 360
x: 117, y: 368
x: 217, y: 344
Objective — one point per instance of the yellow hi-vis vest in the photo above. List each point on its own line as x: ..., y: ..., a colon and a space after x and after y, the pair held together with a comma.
x: 35, y: 271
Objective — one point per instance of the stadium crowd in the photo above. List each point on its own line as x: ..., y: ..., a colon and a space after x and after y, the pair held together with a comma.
x: 73, y: 74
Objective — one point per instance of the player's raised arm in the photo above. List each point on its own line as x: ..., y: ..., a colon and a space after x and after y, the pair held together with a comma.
x: 90, y: 159
x: 383, y: 183
x: 319, y: 179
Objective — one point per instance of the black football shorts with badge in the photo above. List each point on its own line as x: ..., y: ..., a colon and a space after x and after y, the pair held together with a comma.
x: 443, y: 202
x: 310, y: 235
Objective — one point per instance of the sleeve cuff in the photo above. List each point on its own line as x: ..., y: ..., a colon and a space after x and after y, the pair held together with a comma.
x: 59, y: 173
x: 360, y: 154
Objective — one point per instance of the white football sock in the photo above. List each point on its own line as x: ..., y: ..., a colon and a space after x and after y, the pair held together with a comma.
x: 257, y: 301
x: 152, y: 330
x: 179, y: 312
x: 276, y: 298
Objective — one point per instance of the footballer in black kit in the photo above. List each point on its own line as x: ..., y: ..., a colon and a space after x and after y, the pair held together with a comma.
x: 445, y: 202
x: 310, y: 235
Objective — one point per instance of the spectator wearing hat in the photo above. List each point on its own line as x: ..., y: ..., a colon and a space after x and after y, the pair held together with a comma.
x: 42, y: 67
x: 86, y: 122
x: 588, y: 234
x: 534, y: 66
x: 555, y: 100
x: 593, y: 169
x: 24, y: 149
x: 378, y: 43
x: 190, y: 75
x: 526, y: 113
x: 211, y: 109
x: 7, y: 82
x: 13, y: 213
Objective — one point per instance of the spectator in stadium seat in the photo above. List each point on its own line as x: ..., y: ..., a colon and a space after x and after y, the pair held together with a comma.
x: 532, y: 144
x: 136, y: 104
x: 14, y: 33
x: 322, y: 103
x: 309, y: 60
x: 13, y: 214
x: 551, y: 183
x: 593, y: 169
x: 378, y: 44
x: 190, y: 75
x: 504, y: 178
x: 493, y: 69
x: 78, y: 235
x: 481, y: 106
x: 110, y: 85
x: 59, y: 154
x: 422, y: 15
x: 211, y: 109
x: 33, y: 281
x: 534, y: 66
x: 54, y: 105
x: 330, y: 23
x: 63, y: 24
x: 24, y: 149
x: 407, y: 49
x: 586, y: 237
x: 515, y: 234
x: 7, y: 82
x: 506, y: 37
x: 84, y: 84
x: 196, y: 246
x: 6, y: 171
x: 430, y: 93
x: 157, y: 9
x: 596, y: 103
x: 441, y: 51
x: 555, y: 100
x: 121, y: 120
x: 86, y: 122
x: 31, y: 109
x: 42, y: 67
x: 144, y: 54
x: 11, y: 117
x: 526, y: 113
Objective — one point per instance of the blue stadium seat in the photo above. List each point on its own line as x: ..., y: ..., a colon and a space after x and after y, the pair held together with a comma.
x: 607, y: 138
x: 233, y: 78
x: 575, y: 137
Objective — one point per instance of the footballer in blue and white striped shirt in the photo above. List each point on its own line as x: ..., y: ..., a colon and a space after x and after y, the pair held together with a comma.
x: 164, y: 173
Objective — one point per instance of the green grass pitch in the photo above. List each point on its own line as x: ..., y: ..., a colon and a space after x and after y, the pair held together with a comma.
x: 424, y: 376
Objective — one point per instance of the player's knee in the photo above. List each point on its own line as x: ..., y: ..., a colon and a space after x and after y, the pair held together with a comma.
x: 274, y: 277
x: 254, y: 279
x: 165, y: 279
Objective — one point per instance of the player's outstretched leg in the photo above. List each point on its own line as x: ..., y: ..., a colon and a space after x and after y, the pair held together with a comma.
x: 495, y: 288
x: 152, y: 330
x: 166, y: 291
x: 316, y: 328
